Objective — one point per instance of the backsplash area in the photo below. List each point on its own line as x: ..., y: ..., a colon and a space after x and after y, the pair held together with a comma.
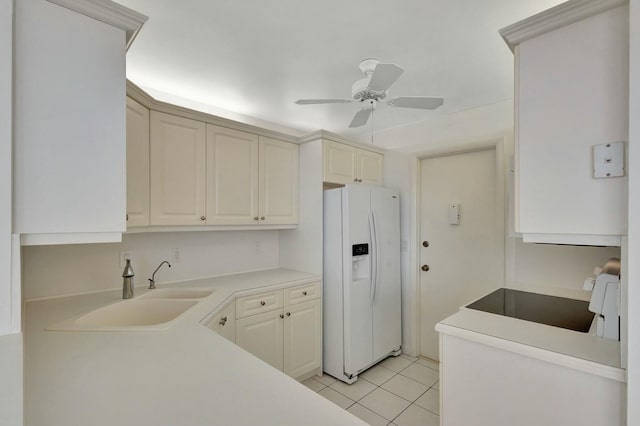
x: 548, y: 265
x: 67, y: 269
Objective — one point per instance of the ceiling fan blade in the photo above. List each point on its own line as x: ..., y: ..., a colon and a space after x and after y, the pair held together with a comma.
x: 361, y: 118
x: 384, y: 76
x: 421, y: 102
x: 322, y: 101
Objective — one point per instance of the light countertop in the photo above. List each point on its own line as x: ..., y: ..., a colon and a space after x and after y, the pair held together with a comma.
x: 568, y: 348
x: 185, y: 375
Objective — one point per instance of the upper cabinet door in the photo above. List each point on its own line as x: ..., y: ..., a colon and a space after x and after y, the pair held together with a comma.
x: 369, y: 167
x: 178, y: 158
x: 339, y: 163
x: 232, y: 177
x: 137, y: 164
x: 278, y: 182
x: 571, y: 95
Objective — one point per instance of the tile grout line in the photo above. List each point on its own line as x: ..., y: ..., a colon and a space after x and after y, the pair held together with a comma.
x: 396, y: 373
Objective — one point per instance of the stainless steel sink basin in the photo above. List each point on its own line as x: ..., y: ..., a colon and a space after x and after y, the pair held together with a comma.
x: 143, y: 314
x: 177, y: 293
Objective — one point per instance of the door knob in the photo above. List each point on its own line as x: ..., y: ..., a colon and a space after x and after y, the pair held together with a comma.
x: 425, y: 268
x: 425, y: 244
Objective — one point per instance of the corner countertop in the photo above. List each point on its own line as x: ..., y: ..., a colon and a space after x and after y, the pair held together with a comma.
x: 185, y: 375
x: 572, y: 349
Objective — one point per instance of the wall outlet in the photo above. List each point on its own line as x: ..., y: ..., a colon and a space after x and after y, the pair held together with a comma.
x: 124, y: 255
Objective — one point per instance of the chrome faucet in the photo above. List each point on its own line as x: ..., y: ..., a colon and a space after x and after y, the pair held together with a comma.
x: 152, y: 280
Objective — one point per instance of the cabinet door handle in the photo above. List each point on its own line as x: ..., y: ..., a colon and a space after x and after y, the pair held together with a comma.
x: 355, y: 180
x: 281, y: 316
x: 223, y: 321
x: 127, y: 216
x: 262, y: 218
x: 262, y: 302
x: 203, y: 217
x: 255, y: 218
x: 288, y: 314
x: 304, y: 293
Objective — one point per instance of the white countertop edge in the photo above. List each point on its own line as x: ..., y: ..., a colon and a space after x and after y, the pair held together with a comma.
x: 585, y: 366
x: 185, y: 282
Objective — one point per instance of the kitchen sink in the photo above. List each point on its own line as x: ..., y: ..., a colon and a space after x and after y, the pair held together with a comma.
x: 143, y: 314
x: 177, y: 293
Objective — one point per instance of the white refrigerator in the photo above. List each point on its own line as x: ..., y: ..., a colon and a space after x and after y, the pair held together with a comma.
x: 361, y: 275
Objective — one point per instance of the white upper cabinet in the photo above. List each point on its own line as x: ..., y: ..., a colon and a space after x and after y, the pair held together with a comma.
x: 251, y: 180
x: 232, y: 177
x: 185, y: 170
x: 571, y: 95
x: 69, y: 129
x: 345, y: 164
x: 278, y: 182
x: 178, y: 147
x: 339, y: 163
x: 369, y: 167
x: 137, y: 164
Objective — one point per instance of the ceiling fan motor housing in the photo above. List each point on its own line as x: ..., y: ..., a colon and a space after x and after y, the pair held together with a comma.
x: 360, y: 91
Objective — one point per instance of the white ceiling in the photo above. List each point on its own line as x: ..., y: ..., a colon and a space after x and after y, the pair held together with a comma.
x: 255, y: 57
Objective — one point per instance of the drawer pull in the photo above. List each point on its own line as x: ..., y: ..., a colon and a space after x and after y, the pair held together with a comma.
x: 223, y: 320
x: 262, y: 302
x: 281, y: 316
x: 304, y: 293
x: 288, y: 314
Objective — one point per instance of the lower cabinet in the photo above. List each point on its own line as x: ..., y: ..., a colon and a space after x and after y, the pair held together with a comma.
x: 262, y: 336
x: 302, y: 338
x: 289, y: 334
x: 224, y: 322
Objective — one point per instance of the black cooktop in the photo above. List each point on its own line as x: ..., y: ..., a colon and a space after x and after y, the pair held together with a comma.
x: 550, y: 310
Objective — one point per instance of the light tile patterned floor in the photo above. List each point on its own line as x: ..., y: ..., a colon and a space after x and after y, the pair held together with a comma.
x: 400, y: 391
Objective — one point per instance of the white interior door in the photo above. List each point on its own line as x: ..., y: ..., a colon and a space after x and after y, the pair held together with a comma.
x: 465, y: 260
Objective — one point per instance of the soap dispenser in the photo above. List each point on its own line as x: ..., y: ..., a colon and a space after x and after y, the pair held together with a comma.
x: 127, y: 281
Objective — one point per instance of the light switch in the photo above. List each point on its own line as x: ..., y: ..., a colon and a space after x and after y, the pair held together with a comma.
x: 608, y: 160
x: 454, y: 214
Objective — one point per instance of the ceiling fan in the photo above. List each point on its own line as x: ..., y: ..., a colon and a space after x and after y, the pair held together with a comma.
x: 373, y: 89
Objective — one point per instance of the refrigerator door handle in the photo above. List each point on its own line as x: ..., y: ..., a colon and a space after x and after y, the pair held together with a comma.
x: 372, y: 266
x: 375, y: 259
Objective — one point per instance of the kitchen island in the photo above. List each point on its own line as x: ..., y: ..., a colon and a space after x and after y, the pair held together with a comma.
x: 184, y: 375
x: 497, y: 370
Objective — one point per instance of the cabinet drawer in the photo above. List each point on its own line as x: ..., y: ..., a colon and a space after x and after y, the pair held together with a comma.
x: 224, y: 322
x: 301, y: 293
x: 258, y: 303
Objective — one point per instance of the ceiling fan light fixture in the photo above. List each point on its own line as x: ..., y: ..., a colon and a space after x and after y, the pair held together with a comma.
x: 373, y: 88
